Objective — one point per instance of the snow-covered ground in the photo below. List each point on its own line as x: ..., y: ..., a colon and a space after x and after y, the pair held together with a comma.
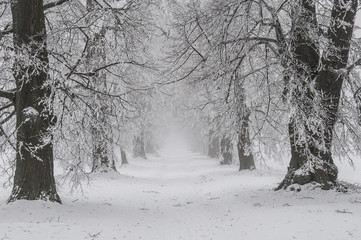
x: 186, y: 196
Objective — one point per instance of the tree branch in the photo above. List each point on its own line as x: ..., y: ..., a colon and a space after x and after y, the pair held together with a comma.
x: 8, y: 94
x: 6, y: 106
x: 7, y: 118
x: 353, y: 65
x: 54, y: 4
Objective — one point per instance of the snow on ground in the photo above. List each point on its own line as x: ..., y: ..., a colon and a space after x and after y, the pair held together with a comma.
x: 185, y: 196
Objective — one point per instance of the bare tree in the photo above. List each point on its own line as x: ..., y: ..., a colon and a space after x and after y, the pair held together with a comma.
x: 215, y: 70
x: 102, y: 66
x: 34, y: 177
x: 297, y: 51
x: 319, y: 79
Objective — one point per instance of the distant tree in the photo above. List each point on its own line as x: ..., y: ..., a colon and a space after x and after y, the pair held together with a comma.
x: 96, y: 58
x: 213, y: 145
x: 139, y: 146
x: 124, y: 157
x: 103, y: 65
x: 201, y: 57
x: 226, y: 150
x: 243, y: 113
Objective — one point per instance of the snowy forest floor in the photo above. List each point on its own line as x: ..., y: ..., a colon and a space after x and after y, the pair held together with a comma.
x: 185, y: 197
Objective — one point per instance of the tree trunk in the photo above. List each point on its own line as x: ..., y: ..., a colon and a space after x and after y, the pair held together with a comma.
x: 244, y: 145
x: 245, y: 156
x: 34, y: 175
x: 213, y: 145
x: 101, y: 159
x: 139, y: 146
x: 149, y: 145
x: 124, y: 157
x: 101, y: 140
x: 311, y: 160
x: 226, y: 150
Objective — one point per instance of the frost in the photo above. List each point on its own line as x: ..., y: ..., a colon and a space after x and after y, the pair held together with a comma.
x: 47, y: 139
x: 21, y: 145
x: 30, y: 114
x: 300, y: 172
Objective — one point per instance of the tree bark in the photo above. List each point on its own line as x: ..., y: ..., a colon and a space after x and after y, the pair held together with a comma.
x: 311, y: 160
x: 34, y: 175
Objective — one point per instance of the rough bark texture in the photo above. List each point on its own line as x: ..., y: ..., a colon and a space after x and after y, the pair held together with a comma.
x: 213, y: 145
x: 139, y: 146
x: 310, y: 161
x: 226, y: 150
x: 34, y: 177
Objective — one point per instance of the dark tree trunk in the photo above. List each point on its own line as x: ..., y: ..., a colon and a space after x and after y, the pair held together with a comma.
x: 226, y: 150
x: 34, y: 176
x: 124, y: 157
x: 139, y: 146
x: 312, y: 161
x: 245, y: 156
x: 213, y: 145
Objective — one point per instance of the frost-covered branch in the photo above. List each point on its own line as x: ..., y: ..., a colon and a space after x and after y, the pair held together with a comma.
x: 8, y: 94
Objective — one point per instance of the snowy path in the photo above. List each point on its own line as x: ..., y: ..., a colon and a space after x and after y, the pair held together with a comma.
x: 184, y: 197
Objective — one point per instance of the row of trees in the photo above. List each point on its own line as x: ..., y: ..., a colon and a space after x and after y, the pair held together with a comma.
x: 74, y: 86
x: 271, y: 69
x: 77, y: 81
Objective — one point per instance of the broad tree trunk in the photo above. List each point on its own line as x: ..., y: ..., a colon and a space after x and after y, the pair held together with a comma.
x: 213, y: 145
x: 139, y: 146
x: 226, y: 150
x: 34, y: 176
x: 311, y: 160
